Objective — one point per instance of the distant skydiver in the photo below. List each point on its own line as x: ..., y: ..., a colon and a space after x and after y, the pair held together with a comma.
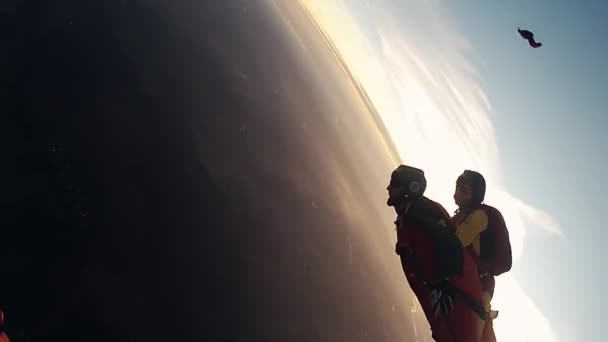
x: 529, y: 36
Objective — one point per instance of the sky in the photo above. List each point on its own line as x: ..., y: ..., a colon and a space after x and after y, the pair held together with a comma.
x: 459, y: 89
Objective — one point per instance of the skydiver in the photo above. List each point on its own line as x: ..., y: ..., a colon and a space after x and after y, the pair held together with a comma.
x: 443, y: 277
x: 529, y: 36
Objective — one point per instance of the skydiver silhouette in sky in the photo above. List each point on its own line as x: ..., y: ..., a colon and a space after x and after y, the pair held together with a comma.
x: 529, y: 36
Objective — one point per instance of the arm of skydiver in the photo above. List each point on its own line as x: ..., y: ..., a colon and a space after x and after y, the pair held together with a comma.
x: 471, y: 227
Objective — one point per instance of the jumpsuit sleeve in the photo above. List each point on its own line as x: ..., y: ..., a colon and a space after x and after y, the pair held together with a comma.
x: 468, y: 231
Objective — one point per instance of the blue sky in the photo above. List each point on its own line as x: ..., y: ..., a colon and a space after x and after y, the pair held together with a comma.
x: 459, y: 89
x: 550, y: 108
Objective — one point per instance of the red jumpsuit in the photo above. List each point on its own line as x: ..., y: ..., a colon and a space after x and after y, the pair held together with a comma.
x: 462, y: 324
x: 3, y: 336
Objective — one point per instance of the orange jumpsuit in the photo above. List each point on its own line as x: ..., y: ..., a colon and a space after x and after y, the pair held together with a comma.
x: 462, y: 324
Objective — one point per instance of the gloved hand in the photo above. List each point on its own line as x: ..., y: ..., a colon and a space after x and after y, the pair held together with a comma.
x: 442, y: 299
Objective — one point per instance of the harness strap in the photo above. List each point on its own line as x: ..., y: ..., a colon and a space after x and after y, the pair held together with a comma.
x: 467, y: 298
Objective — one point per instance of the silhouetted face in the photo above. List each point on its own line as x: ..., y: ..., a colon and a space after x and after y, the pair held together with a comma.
x: 463, y: 194
x: 395, y: 196
x: 394, y: 190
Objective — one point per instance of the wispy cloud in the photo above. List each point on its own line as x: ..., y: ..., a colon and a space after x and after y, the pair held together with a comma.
x: 425, y: 84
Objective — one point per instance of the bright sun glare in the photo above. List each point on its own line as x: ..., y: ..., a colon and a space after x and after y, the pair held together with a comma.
x: 439, y: 117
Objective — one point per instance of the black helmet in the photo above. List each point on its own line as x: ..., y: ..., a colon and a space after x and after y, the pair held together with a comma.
x: 411, y: 179
x: 477, y: 183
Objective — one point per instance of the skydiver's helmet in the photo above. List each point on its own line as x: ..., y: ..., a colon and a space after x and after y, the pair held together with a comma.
x: 412, y: 182
x: 477, y: 183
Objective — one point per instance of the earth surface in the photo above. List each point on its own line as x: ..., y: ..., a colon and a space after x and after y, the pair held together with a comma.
x: 191, y: 171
